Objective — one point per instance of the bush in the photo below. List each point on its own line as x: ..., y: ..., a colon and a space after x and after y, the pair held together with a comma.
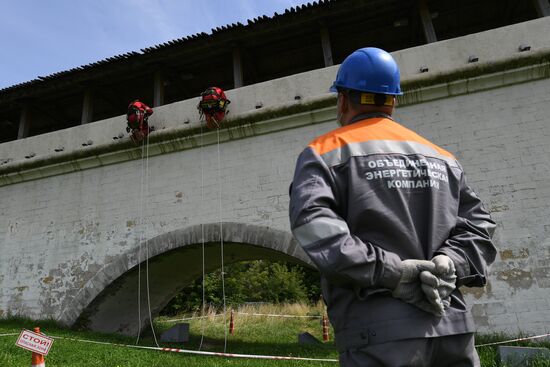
x: 253, y: 281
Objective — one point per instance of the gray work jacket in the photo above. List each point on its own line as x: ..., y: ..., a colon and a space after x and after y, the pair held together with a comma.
x: 370, y: 194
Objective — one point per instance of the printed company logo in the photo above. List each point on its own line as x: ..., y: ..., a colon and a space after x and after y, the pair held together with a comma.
x: 34, y: 342
x: 407, y: 173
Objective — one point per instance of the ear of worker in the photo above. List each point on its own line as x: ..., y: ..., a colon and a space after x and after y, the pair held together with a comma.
x: 427, y: 284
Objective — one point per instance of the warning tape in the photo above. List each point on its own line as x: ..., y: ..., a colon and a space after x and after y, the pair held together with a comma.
x: 175, y: 350
x: 187, y: 351
x: 252, y: 355
x: 514, y: 340
x: 193, y: 318
x: 247, y: 314
x: 274, y: 315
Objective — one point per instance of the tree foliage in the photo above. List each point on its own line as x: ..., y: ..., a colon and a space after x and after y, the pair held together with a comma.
x: 253, y: 281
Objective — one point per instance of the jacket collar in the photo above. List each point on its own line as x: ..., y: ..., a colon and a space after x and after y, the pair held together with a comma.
x: 364, y: 116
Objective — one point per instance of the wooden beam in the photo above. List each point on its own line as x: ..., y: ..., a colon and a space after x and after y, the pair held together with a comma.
x: 542, y: 7
x: 158, y: 91
x: 327, y: 49
x: 87, y: 107
x: 427, y: 24
x: 237, y: 68
x: 24, y: 122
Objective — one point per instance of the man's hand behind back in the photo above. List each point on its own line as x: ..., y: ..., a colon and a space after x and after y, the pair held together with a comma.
x: 441, y: 282
x: 410, y: 288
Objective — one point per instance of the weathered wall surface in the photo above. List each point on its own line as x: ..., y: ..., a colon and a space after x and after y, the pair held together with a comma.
x: 501, y: 139
x: 70, y: 221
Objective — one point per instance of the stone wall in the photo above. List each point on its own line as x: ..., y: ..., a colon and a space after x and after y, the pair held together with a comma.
x: 71, y: 222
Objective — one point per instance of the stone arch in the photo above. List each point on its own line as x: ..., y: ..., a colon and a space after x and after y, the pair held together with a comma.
x: 108, y: 301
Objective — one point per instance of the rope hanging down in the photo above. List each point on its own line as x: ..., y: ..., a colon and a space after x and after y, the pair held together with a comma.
x: 144, y: 193
x: 203, y: 305
x: 147, y: 244
x: 137, y: 119
x: 221, y: 245
x: 140, y: 219
x: 213, y: 107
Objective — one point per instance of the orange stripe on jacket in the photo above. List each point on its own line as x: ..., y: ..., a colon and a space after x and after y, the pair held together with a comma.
x: 377, y: 128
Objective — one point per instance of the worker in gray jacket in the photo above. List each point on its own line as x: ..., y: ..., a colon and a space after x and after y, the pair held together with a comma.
x: 392, y: 225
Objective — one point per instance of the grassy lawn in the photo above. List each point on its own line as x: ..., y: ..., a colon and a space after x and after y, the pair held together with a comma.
x: 253, y: 335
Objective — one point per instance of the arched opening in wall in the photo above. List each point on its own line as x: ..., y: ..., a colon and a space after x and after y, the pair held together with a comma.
x: 245, y: 284
x: 109, y: 302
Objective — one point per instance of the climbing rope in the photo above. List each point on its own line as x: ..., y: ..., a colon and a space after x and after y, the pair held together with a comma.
x: 140, y: 220
x: 212, y: 107
x: 203, y: 306
x: 147, y: 243
x: 143, y: 223
x: 221, y: 241
x: 144, y: 226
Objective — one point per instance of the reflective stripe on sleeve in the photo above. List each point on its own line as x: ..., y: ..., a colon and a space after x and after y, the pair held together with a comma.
x: 319, y: 229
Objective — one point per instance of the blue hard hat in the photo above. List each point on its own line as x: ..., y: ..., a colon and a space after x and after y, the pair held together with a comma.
x: 368, y: 69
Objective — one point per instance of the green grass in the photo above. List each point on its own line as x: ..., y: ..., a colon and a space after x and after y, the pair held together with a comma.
x: 488, y: 355
x: 253, y: 335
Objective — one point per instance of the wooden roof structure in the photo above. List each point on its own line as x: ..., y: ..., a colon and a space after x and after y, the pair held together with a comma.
x: 311, y: 36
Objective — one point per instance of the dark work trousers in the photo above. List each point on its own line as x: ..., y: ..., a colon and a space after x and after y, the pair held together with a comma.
x: 445, y: 351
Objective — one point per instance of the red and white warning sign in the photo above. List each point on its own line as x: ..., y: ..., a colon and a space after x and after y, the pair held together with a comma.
x: 34, y: 342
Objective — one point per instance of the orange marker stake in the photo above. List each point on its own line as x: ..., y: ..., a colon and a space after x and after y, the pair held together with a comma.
x: 325, y: 328
x: 231, y: 324
x: 37, y: 359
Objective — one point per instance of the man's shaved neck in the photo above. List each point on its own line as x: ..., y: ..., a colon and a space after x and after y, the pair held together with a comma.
x: 347, y: 110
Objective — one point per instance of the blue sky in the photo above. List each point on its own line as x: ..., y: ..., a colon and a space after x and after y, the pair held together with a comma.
x: 41, y: 37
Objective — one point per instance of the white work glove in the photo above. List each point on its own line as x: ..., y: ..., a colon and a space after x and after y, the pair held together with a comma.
x: 409, y: 288
x: 439, y: 284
